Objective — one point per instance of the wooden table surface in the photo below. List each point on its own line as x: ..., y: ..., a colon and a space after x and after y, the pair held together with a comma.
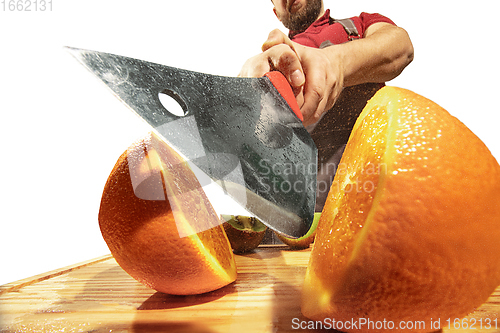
x: 98, y: 296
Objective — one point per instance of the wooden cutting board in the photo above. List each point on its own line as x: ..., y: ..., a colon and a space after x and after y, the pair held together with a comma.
x: 98, y: 296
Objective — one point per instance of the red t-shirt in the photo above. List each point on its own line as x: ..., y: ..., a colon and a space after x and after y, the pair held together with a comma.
x: 321, y: 30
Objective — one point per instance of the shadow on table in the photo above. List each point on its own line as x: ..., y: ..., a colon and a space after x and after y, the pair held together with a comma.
x: 177, y: 327
x: 161, y: 301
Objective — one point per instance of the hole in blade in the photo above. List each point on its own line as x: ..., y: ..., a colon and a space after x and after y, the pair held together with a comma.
x: 173, y: 103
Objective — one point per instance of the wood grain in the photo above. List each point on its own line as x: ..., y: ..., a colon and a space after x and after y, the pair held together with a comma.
x: 98, y: 296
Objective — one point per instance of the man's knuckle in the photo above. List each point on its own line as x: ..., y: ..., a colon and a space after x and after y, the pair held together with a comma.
x: 275, y: 33
x: 318, y: 91
x: 315, y: 117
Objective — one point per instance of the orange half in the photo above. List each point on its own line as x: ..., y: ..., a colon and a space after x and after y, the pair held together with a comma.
x: 411, y: 227
x: 160, y: 226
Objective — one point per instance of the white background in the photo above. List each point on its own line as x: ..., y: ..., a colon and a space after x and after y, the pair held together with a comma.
x: 62, y: 130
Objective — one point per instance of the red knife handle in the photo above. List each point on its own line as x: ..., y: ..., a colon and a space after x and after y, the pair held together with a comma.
x: 281, y: 84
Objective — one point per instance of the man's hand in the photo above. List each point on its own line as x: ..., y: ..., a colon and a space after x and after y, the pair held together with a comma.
x: 318, y: 76
x: 281, y: 57
x: 323, y: 73
x: 315, y: 79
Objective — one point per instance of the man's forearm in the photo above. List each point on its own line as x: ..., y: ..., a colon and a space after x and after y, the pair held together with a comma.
x: 380, y: 56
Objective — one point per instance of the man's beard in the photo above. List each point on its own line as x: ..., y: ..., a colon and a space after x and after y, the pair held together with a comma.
x: 302, y: 19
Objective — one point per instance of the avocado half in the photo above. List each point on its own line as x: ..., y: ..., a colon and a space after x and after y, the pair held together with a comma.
x: 303, y: 242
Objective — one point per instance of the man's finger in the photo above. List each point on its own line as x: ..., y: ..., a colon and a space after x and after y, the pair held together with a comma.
x: 255, y: 67
x: 297, y: 78
x: 285, y: 60
x: 276, y: 37
x: 310, y: 107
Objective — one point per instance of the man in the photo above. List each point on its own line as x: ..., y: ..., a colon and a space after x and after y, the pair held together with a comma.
x: 333, y: 69
x: 318, y: 75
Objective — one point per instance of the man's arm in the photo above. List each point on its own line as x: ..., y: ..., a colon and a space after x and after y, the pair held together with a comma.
x: 319, y: 75
x: 379, y: 57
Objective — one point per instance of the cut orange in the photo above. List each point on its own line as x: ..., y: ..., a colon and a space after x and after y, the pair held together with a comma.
x: 160, y: 226
x: 411, y: 227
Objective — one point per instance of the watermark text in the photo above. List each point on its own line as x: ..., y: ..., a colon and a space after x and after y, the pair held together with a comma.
x: 368, y: 324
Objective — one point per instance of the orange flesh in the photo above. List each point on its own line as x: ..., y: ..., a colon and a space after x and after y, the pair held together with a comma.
x: 185, y: 192
x: 216, y: 244
x: 354, y: 189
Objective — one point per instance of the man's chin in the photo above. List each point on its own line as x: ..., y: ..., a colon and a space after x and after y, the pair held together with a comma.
x: 302, y: 14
